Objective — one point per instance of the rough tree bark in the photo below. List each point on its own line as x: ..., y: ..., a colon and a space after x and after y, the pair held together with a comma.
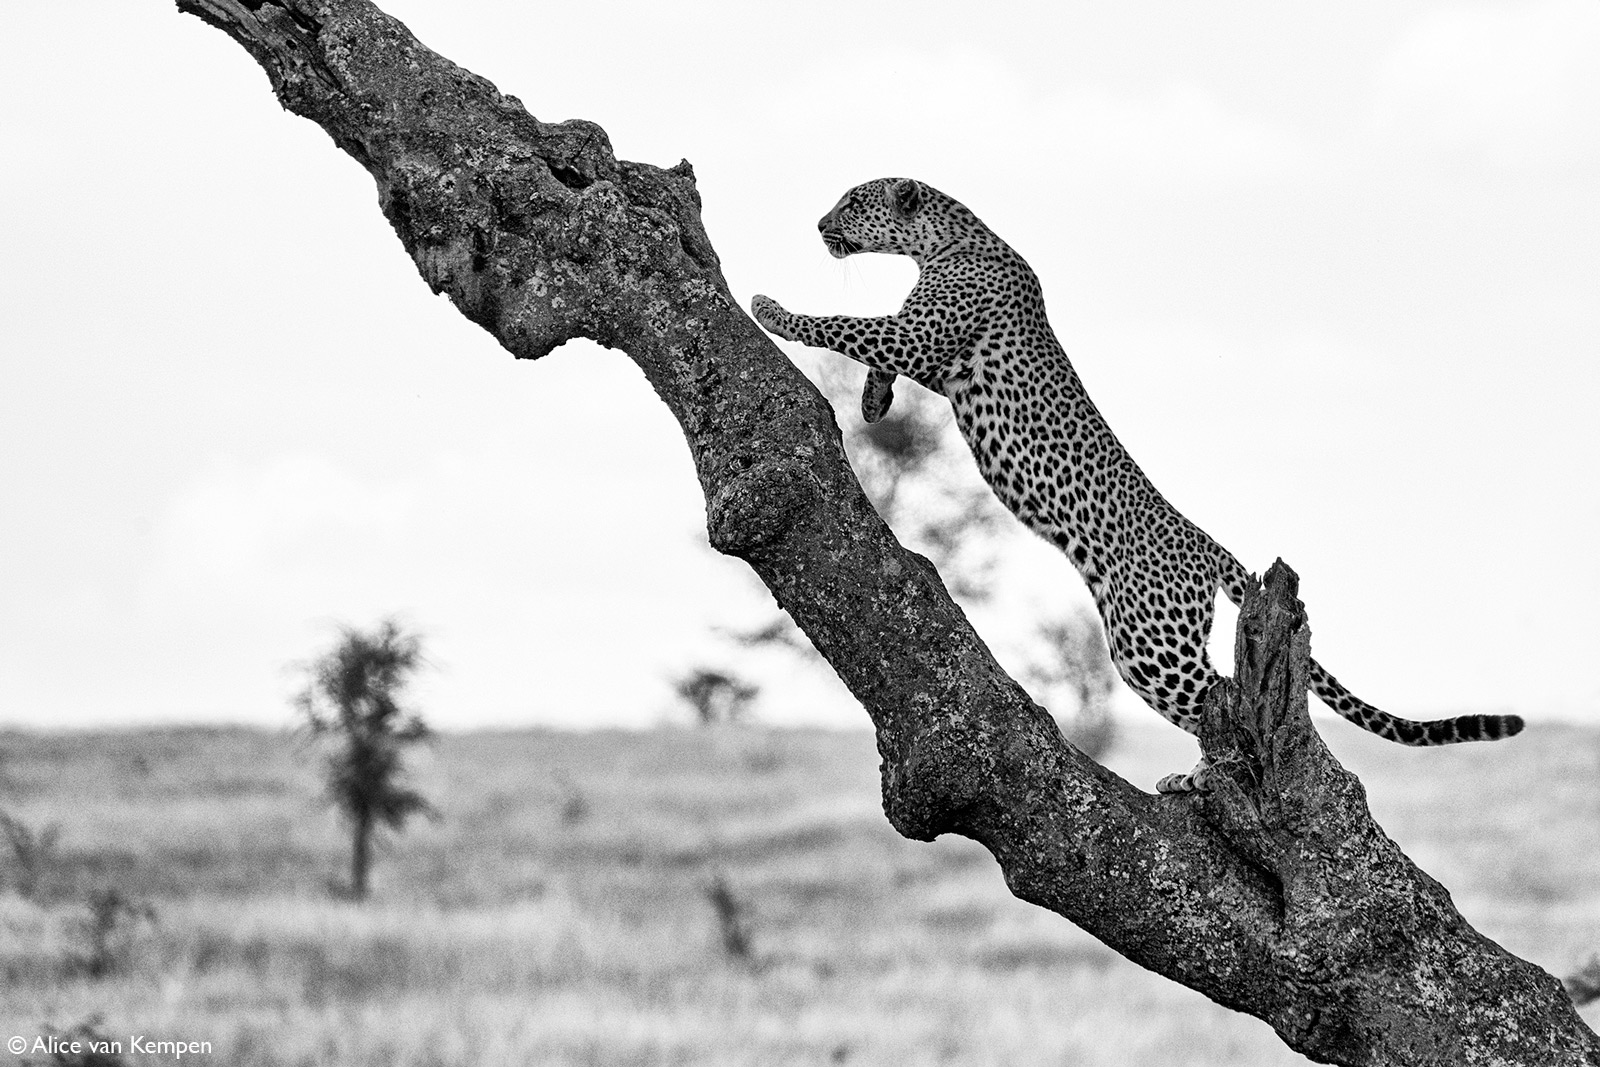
x: 1277, y: 895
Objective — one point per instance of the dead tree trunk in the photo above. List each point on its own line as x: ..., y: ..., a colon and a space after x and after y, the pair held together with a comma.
x: 1277, y: 896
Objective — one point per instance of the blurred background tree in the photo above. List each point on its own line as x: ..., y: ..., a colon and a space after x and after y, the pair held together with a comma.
x: 32, y: 855
x: 1583, y: 986
x: 921, y: 478
x: 716, y: 696
x: 1073, y: 660
x: 352, y: 699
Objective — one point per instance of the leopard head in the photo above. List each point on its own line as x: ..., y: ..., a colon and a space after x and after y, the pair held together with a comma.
x: 887, y: 215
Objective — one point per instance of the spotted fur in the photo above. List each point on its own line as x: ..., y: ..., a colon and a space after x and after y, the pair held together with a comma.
x: 974, y: 329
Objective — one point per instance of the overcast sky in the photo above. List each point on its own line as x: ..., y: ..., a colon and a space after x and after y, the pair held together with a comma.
x: 1332, y: 272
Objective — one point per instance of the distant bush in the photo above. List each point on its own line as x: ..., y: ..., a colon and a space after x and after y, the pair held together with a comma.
x: 731, y: 918
x: 109, y: 930
x: 574, y: 803
x: 33, y: 853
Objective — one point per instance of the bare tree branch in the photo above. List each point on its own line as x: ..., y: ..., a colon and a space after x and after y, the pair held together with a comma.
x: 1277, y: 896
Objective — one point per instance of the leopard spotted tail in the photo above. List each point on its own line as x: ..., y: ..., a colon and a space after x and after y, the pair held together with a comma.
x: 1406, y: 731
x: 1233, y: 578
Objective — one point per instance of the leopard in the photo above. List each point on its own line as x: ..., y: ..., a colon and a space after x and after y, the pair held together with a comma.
x: 974, y: 330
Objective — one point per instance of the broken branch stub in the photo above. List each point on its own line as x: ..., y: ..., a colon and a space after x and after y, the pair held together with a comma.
x: 1353, y: 907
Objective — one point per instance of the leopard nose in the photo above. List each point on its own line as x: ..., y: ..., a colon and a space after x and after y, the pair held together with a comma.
x: 822, y: 223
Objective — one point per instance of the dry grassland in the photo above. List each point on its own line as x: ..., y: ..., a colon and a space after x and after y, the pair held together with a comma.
x: 557, y: 913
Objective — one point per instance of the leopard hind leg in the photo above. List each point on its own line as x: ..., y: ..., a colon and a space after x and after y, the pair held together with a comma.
x: 1166, y: 664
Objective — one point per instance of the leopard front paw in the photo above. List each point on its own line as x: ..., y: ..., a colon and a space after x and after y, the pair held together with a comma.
x: 770, y: 314
x: 876, y: 395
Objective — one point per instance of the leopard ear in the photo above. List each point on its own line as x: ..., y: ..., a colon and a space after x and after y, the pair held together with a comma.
x: 906, y: 195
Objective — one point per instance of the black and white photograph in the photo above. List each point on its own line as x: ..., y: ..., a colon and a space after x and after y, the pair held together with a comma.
x: 844, y: 533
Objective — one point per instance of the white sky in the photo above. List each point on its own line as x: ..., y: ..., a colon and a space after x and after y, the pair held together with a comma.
x: 1329, y: 269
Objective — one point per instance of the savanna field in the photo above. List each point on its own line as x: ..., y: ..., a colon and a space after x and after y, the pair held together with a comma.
x: 559, y: 911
